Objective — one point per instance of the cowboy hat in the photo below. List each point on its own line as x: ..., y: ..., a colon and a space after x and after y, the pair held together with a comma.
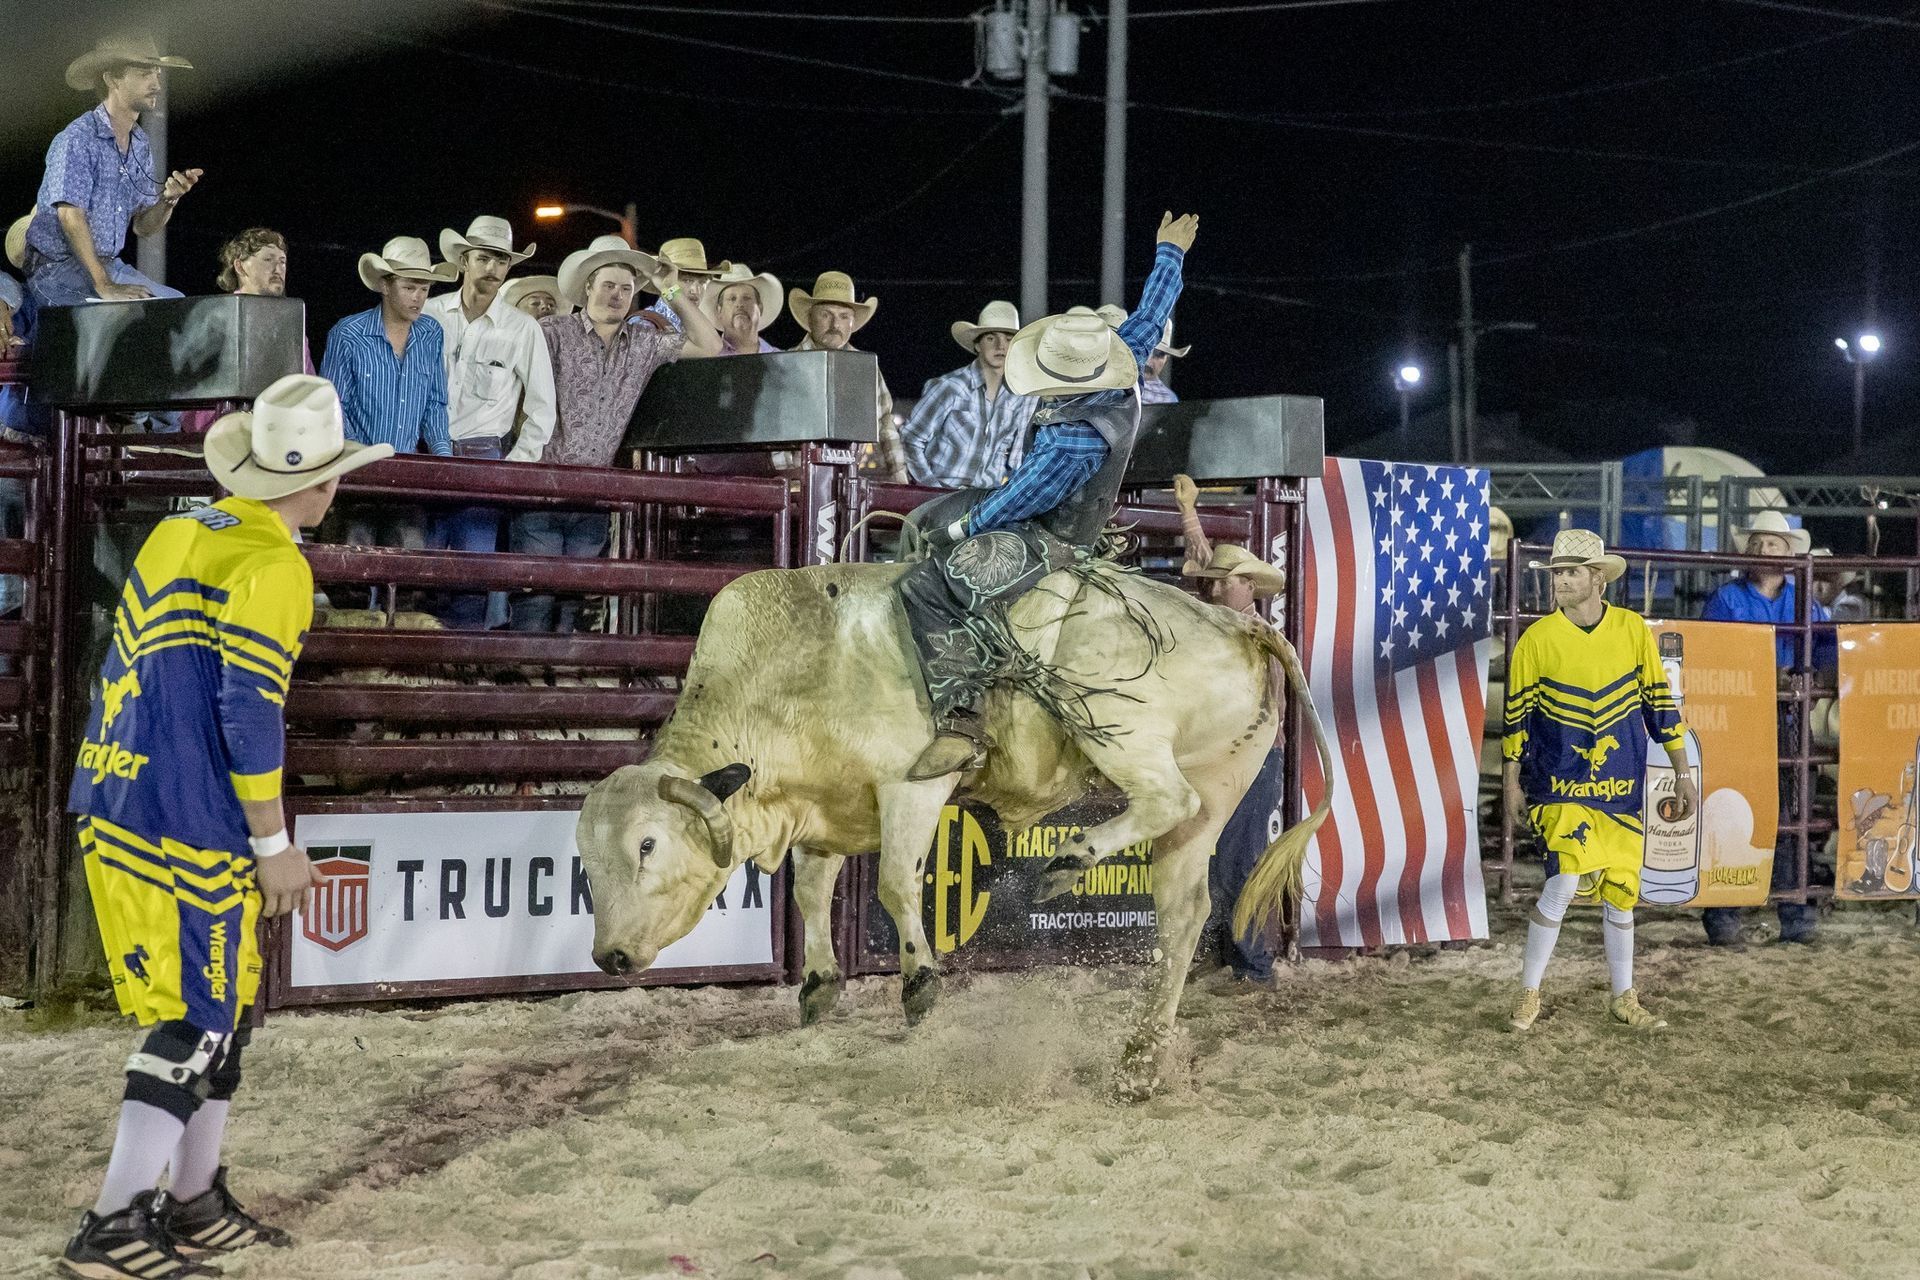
x: 732, y: 273
x: 835, y: 287
x: 1230, y: 561
x: 1069, y: 355
x: 292, y: 439
x: 514, y: 290
x: 690, y: 256
x: 17, y: 239
x: 1499, y: 532
x: 579, y: 266
x: 1165, y: 345
x: 995, y: 317
x: 407, y: 257
x: 1769, y: 520
x: 1114, y: 316
x: 1575, y: 547
x: 1843, y: 578
x: 119, y: 51
x: 484, y: 232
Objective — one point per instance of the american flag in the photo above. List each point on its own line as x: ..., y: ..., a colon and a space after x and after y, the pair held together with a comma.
x: 1397, y: 637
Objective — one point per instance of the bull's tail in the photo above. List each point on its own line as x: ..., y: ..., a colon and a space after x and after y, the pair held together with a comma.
x: 1277, y: 874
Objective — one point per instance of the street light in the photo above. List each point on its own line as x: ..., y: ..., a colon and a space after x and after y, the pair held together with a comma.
x: 1405, y: 379
x: 627, y: 221
x: 1859, y: 353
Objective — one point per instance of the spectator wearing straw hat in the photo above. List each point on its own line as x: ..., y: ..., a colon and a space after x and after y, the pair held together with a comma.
x: 1153, y: 386
x: 689, y: 256
x: 968, y: 430
x: 537, y: 296
x: 831, y: 313
x: 741, y: 305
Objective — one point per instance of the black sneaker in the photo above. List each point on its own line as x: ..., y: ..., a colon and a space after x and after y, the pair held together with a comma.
x: 214, y: 1222
x: 129, y: 1244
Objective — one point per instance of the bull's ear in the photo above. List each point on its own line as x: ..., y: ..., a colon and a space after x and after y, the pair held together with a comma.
x: 725, y: 781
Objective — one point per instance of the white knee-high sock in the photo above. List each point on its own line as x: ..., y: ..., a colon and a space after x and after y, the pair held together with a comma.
x: 1544, y: 928
x: 142, y: 1149
x: 1618, y: 931
x: 197, y: 1158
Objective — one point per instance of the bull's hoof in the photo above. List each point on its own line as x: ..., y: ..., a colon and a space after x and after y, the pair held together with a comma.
x: 1138, y: 1076
x: 918, y: 995
x: 1059, y: 877
x: 818, y: 994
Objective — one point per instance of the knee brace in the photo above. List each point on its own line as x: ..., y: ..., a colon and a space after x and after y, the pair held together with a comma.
x: 224, y: 1079
x: 170, y: 1069
x: 1555, y: 897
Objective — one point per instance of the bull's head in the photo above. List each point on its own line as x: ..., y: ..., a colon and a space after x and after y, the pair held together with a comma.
x: 658, y: 848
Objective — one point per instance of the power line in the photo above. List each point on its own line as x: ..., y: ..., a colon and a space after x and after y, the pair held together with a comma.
x: 1845, y: 15
x: 698, y: 11
x: 1278, y: 6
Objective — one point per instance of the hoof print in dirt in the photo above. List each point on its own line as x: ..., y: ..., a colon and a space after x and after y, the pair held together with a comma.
x: 918, y: 994
x: 819, y: 994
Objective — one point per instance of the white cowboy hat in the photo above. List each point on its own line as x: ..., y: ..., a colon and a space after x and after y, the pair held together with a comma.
x: 1230, y: 561
x: 484, y: 232
x: 1844, y: 578
x: 292, y: 439
x: 995, y: 317
x: 514, y: 290
x: 17, y: 239
x: 1069, y: 355
x: 1573, y: 547
x: 1768, y: 520
x: 407, y: 257
x: 835, y: 287
x: 580, y: 265
x: 732, y: 273
x: 1166, y: 342
x: 118, y: 51
x: 1499, y: 533
x: 1113, y: 315
x: 689, y: 255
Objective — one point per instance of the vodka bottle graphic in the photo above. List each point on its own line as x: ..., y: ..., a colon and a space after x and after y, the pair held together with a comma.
x: 1670, y: 870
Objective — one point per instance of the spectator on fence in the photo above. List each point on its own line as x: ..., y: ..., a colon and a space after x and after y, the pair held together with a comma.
x: 1766, y: 595
x: 742, y: 304
x: 601, y: 364
x: 690, y: 257
x: 538, y: 296
x: 831, y: 317
x: 22, y: 421
x: 253, y: 263
x: 1153, y: 386
x: 11, y: 299
x: 499, y: 391
x: 968, y: 430
x: 1237, y: 579
x: 1833, y: 588
x: 387, y: 365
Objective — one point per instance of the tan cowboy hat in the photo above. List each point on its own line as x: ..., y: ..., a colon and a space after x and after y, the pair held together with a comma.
x: 995, y: 317
x: 1843, y: 578
x: 1769, y: 520
x: 1582, y: 547
x: 514, y: 290
x: 580, y: 265
x: 1114, y: 316
x: 1230, y: 561
x: 1069, y: 355
x: 292, y: 439
x: 484, y: 232
x: 407, y: 257
x: 835, y: 287
x: 732, y: 273
x: 1166, y: 342
x: 690, y: 256
x: 17, y: 240
x: 118, y: 51
x: 1499, y: 533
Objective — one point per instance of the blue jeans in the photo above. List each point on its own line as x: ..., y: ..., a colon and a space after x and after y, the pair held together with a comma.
x: 1245, y: 837
x: 391, y: 526
x: 65, y: 284
x: 471, y: 529
x: 580, y: 535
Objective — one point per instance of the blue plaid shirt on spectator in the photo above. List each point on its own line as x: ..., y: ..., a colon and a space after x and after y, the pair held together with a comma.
x: 959, y: 439
x: 400, y: 402
x: 10, y: 292
x: 1065, y: 455
x: 1154, y: 391
x: 85, y: 169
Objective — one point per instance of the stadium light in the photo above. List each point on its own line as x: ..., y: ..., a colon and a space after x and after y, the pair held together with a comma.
x: 547, y: 212
x: 1869, y: 344
x: 1409, y: 375
x: 1405, y: 379
x: 1859, y: 353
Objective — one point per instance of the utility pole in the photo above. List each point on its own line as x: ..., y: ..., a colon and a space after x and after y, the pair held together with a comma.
x: 1033, y: 176
x: 1456, y: 443
x: 151, y: 256
x: 1469, y: 339
x: 1113, y: 220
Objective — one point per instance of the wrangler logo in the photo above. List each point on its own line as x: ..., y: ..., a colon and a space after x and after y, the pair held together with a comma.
x: 216, y: 970
x: 1596, y: 755
x: 114, y: 696
x: 110, y: 758
x: 1605, y: 789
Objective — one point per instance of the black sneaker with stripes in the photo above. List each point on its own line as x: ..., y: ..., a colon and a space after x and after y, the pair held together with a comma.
x: 214, y: 1222
x: 129, y: 1245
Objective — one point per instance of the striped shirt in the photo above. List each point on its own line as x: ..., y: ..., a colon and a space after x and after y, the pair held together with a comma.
x: 401, y: 402
x: 86, y: 169
x: 1154, y: 391
x: 959, y: 439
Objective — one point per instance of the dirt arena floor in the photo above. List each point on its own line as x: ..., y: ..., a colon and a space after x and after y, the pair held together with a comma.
x: 1370, y: 1118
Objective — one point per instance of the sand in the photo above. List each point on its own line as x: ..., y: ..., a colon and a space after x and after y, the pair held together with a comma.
x: 1369, y: 1118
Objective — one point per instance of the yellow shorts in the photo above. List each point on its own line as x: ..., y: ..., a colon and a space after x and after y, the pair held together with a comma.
x: 1604, y: 849
x: 179, y: 925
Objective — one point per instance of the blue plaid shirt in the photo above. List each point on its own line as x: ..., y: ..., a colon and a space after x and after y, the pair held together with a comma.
x: 400, y: 402
x: 1065, y: 454
x: 85, y: 169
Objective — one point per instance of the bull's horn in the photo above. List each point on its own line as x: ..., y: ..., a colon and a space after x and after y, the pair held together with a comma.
x: 697, y: 796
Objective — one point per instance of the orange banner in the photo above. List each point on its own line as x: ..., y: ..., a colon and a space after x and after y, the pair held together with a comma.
x: 1724, y: 675
x: 1878, y: 718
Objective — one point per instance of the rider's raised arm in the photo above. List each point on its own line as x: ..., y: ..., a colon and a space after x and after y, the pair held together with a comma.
x: 1144, y: 327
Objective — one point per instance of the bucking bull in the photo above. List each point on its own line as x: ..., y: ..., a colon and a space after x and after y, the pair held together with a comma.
x: 803, y: 710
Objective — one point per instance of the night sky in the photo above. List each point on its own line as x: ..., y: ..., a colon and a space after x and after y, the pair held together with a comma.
x: 1354, y: 150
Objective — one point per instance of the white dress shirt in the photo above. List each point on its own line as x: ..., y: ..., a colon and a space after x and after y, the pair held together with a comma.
x: 499, y: 375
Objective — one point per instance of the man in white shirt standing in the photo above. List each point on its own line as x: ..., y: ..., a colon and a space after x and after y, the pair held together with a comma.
x: 500, y: 399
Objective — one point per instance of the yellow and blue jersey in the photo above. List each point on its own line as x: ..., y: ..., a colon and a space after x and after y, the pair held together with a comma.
x: 1580, y: 708
x: 188, y: 716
